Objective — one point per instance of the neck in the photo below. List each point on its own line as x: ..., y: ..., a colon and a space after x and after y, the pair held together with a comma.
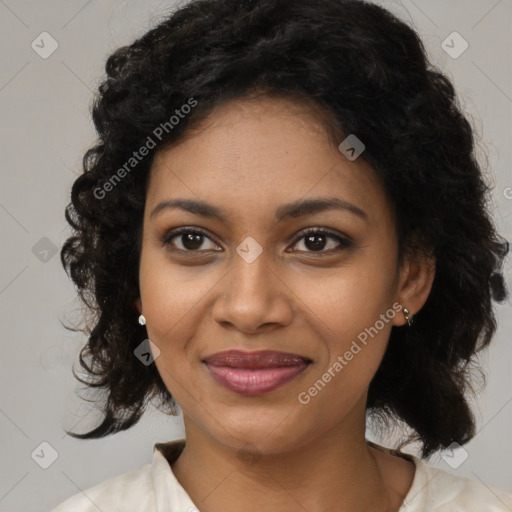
x: 336, y: 470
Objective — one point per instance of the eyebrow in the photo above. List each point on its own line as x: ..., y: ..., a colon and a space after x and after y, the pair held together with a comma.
x: 284, y: 212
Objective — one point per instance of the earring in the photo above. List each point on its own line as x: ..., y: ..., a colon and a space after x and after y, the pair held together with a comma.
x: 409, y: 319
x: 142, y: 320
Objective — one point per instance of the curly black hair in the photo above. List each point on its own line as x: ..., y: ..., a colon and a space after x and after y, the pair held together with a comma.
x: 367, y: 73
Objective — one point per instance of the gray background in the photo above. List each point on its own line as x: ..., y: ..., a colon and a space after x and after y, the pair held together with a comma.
x: 45, y: 130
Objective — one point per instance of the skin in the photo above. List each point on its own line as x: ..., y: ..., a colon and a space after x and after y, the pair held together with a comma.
x: 249, y: 157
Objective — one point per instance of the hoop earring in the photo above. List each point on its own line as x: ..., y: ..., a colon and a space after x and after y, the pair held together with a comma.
x: 142, y: 320
x: 410, y: 319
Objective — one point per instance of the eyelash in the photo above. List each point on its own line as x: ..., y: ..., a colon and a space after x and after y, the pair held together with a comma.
x: 344, y: 242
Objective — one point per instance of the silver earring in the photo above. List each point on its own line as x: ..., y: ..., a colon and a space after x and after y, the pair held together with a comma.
x: 142, y: 320
x: 409, y: 319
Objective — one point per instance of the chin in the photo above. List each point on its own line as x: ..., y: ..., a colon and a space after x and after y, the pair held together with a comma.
x: 260, y: 438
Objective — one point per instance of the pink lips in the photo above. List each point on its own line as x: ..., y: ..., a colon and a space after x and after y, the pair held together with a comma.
x: 252, y: 373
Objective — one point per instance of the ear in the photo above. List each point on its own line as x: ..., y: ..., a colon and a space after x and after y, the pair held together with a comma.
x: 138, y: 303
x: 416, y: 277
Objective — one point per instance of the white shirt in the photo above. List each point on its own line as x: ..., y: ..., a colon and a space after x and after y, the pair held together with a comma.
x: 154, y: 488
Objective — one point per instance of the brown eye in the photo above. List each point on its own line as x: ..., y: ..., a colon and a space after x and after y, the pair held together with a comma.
x: 190, y: 240
x: 316, y: 240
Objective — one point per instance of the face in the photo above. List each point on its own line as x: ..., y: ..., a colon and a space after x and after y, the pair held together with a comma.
x: 310, y: 283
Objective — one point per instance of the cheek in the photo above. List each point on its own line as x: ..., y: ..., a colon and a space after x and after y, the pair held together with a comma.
x: 173, y: 296
x: 351, y: 313
x: 173, y: 300
x: 353, y: 348
x: 348, y: 300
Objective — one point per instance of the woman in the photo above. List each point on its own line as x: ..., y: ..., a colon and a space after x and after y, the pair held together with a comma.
x: 285, y: 196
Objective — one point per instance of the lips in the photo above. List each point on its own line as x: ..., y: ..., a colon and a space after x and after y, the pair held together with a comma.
x: 253, y: 373
x: 260, y: 359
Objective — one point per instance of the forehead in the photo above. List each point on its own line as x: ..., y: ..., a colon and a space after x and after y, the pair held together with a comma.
x: 251, y: 155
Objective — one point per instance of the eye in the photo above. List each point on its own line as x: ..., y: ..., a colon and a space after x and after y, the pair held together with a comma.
x: 316, y: 239
x: 191, y: 240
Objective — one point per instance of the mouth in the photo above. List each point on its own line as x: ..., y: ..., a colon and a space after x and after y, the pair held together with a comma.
x: 253, y: 373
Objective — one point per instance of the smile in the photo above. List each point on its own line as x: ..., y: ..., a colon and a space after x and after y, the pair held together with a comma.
x: 250, y: 381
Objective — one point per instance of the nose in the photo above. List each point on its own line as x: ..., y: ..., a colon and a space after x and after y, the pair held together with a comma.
x: 253, y: 297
